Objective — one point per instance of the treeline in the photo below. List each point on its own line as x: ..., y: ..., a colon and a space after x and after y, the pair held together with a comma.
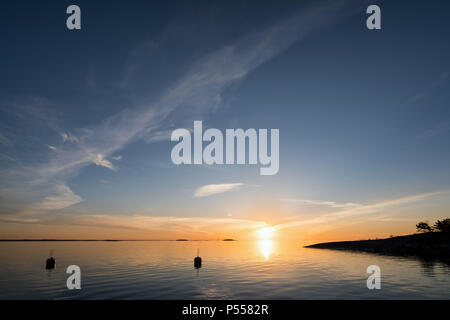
x: 439, y: 226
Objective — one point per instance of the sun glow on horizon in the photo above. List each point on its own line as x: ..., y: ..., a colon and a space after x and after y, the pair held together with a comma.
x: 266, y: 233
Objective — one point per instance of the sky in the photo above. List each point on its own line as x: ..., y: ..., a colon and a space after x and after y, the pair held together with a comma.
x: 86, y: 118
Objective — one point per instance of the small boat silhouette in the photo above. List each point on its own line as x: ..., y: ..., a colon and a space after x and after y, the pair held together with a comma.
x: 51, y: 262
x: 197, y: 261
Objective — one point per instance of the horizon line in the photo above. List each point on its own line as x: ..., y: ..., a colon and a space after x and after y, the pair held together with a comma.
x: 67, y: 240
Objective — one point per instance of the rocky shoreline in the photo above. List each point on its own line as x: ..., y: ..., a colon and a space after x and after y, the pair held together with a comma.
x: 432, y: 245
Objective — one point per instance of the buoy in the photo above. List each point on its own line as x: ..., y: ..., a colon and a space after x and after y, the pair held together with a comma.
x: 51, y: 262
x: 197, y: 261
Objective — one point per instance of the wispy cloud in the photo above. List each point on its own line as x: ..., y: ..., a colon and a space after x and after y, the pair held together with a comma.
x: 438, y: 130
x: 19, y: 220
x: 100, y: 161
x: 200, y: 87
x: 68, y: 137
x: 211, y: 189
x: 330, y: 204
x: 4, y: 140
x: 55, y: 197
x: 63, y: 198
x: 440, y: 80
x: 147, y: 227
x: 362, y: 209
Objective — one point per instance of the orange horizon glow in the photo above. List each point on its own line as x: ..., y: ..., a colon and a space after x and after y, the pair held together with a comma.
x: 210, y: 232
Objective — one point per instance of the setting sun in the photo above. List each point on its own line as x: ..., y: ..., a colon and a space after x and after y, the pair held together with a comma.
x: 266, y: 233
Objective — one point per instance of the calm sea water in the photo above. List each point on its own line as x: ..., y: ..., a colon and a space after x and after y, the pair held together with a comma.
x: 231, y: 270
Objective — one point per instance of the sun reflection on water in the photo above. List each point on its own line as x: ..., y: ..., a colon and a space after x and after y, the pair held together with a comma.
x: 266, y: 248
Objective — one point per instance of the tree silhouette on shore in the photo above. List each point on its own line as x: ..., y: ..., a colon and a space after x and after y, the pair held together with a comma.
x: 439, y: 226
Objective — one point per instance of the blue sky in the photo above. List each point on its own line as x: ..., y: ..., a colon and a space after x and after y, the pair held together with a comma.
x: 86, y: 117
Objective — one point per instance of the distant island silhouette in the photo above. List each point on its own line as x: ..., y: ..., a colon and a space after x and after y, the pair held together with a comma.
x: 429, y: 243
